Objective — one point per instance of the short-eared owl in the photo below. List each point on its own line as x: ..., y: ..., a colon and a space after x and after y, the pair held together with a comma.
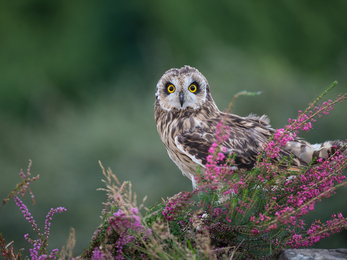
x: 186, y: 118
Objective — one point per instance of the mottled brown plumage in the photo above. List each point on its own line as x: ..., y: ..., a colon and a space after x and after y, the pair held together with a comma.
x: 186, y: 118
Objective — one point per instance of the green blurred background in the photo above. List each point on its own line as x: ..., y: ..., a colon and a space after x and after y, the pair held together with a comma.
x: 77, y: 83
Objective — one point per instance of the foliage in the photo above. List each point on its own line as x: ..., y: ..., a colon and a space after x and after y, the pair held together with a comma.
x: 252, y: 216
x: 38, y: 250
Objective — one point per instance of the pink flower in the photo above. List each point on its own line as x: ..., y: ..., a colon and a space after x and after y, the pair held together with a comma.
x: 255, y: 231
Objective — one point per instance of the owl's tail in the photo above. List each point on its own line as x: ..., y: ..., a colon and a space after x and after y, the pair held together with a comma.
x: 307, y: 152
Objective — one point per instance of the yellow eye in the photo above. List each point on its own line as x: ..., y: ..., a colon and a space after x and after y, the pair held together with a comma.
x: 171, y: 88
x: 192, y: 88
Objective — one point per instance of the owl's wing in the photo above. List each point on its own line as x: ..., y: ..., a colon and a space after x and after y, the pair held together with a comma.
x: 195, y: 144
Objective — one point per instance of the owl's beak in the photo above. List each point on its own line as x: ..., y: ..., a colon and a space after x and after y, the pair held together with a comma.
x: 181, y: 98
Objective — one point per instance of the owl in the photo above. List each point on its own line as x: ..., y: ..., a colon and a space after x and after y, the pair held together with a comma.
x: 186, y: 117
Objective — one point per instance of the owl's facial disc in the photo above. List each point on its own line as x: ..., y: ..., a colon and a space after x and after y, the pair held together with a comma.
x: 179, y: 89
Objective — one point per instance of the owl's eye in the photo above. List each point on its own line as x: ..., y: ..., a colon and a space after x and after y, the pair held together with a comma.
x: 171, y: 88
x: 192, y: 88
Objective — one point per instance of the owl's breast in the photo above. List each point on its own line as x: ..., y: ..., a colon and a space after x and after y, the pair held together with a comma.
x: 169, y: 128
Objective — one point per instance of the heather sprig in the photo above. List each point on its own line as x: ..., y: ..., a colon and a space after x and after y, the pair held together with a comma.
x: 303, y: 122
x: 38, y: 251
x: 7, y: 251
x: 242, y: 93
x: 22, y: 187
x: 121, y: 221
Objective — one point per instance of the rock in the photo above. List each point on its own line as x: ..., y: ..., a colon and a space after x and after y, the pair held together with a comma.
x: 313, y: 254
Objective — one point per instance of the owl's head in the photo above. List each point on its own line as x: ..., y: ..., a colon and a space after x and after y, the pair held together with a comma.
x: 182, y: 88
